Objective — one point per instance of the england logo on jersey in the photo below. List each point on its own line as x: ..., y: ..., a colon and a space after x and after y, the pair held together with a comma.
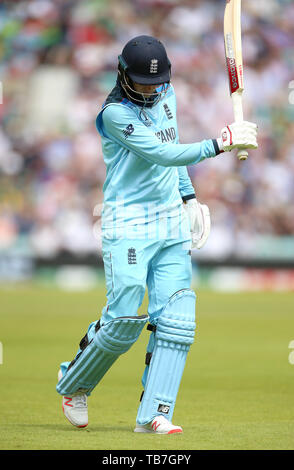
x: 167, y: 111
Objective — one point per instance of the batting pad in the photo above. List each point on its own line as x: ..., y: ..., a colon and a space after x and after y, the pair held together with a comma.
x: 174, y: 334
x: 109, y: 342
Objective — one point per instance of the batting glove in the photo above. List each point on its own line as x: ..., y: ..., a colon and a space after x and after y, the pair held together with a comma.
x: 239, y: 135
x: 199, y: 218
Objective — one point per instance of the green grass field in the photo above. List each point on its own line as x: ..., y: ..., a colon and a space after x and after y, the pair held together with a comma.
x: 237, y: 389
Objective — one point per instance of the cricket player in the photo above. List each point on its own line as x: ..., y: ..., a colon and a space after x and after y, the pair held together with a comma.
x: 151, y: 220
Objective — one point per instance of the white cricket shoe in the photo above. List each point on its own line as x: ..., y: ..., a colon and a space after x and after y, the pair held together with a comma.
x: 159, y: 425
x: 75, y: 408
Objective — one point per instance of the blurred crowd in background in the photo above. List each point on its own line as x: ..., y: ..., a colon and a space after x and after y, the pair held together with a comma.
x: 58, y: 63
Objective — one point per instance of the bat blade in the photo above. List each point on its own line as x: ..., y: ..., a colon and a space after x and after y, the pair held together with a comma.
x: 233, y: 45
x: 234, y: 60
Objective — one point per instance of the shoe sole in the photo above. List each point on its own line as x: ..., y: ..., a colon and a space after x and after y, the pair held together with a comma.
x: 148, y: 431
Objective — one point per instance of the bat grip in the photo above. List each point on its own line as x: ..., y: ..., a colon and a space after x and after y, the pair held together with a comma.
x: 238, y: 114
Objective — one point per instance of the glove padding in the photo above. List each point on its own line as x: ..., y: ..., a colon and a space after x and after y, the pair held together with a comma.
x: 239, y: 135
x: 199, y: 218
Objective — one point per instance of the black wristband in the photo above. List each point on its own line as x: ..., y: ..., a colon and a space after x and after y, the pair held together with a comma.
x: 189, y: 196
x: 216, y: 147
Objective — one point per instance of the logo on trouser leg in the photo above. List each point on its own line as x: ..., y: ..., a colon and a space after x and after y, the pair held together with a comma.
x: 163, y: 409
x: 132, y: 257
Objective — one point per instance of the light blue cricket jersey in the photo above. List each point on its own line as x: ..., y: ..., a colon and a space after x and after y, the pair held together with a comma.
x: 146, y: 175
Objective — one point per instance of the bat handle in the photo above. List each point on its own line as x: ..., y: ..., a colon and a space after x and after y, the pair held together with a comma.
x: 242, y: 154
x: 238, y: 113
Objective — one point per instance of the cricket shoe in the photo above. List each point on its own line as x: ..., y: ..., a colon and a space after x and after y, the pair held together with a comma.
x: 75, y: 408
x: 159, y: 425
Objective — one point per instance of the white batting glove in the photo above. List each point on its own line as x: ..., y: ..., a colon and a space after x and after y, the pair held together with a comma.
x: 199, y: 218
x: 239, y: 135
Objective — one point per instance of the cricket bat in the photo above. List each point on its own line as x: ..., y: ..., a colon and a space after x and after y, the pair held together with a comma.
x: 234, y: 61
